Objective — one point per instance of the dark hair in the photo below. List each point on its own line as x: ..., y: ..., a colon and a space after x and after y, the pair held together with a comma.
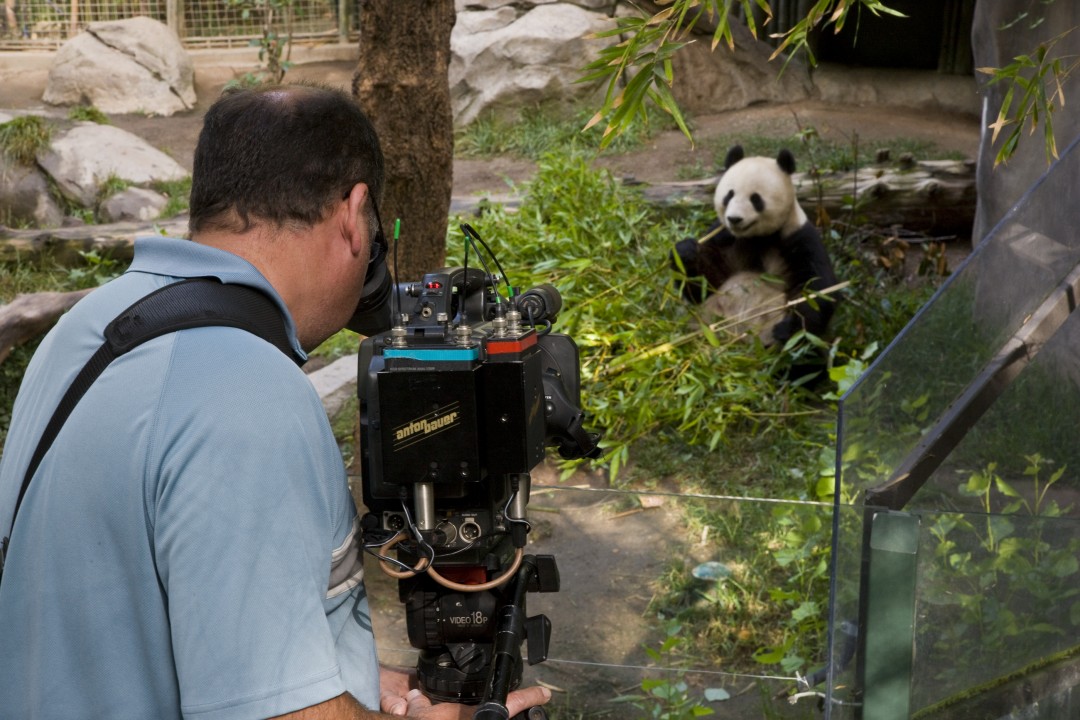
x: 280, y: 154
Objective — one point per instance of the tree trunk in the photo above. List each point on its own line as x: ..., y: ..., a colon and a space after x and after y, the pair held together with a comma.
x: 402, y: 82
x: 29, y: 316
x: 930, y: 196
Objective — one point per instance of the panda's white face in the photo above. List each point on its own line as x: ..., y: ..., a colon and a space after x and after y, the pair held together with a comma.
x: 756, y: 197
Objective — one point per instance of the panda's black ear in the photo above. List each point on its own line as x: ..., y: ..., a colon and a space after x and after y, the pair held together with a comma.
x: 734, y: 155
x: 786, y: 161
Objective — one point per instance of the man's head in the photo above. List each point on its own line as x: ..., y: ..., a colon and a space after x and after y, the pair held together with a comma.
x: 281, y: 155
x: 288, y: 178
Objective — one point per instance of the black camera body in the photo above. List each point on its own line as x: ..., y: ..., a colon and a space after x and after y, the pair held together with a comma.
x: 458, y: 401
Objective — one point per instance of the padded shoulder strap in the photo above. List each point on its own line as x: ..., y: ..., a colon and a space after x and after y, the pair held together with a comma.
x: 198, y: 302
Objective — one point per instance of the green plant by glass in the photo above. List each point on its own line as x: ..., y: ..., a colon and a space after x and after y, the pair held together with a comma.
x: 669, y: 697
x: 1006, y: 578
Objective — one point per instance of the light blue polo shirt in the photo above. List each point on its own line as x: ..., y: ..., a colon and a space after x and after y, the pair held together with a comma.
x: 173, y: 555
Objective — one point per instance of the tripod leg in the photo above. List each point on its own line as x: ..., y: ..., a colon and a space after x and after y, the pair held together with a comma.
x: 506, y: 658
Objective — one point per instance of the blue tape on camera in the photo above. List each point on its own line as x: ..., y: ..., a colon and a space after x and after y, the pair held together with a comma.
x: 434, y: 354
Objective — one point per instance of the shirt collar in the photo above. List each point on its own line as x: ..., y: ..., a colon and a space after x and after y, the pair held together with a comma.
x: 187, y: 259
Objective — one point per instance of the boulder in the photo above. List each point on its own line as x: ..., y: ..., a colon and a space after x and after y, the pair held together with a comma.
x: 125, y: 66
x: 87, y: 154
x: 25, y: 198
x: 716, y: 80
x: 534, y: 59
x: 461, y: 6
x: 133, y: 203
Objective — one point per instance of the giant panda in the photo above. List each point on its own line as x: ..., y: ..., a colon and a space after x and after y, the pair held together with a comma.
x: 762, y: 254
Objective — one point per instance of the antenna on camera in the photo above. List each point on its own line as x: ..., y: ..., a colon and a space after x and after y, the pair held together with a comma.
x: 396, y: 299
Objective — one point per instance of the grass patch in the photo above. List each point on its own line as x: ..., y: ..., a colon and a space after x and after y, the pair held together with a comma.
x: 24, y: 137
x: 111, y: 186
x: 88, y: 113
x: 178, y: 193
x: 542, y: 130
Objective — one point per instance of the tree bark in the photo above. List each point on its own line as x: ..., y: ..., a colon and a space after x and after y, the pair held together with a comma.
x: 29, y: 316
x: 402, y: 82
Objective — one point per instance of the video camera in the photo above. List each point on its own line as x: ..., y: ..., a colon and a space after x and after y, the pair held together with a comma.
x: 458, y: 401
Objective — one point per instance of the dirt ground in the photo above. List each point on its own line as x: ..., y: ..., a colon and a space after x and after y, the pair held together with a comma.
x: 608, y: 549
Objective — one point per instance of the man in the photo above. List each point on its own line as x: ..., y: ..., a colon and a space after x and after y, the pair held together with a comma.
x: 188, y: 546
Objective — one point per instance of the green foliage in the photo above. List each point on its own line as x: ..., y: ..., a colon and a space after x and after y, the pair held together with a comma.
x: 41, y: 276
x: 98, y: 270
x: 669, y: 697
x: 178, y: 193
x: 338, y: 345
x: 11, y: 373
x: 24, y: 137
x: 701, y: 409
x: 110, y: 186
x: 273, y: 46
x: 637, y: 65
x: 88, y: 113
x: 820, y: 15
x: 606, y: 250
x: 545, y: 130
x: 1034, y: 85
x: 1006, y: 578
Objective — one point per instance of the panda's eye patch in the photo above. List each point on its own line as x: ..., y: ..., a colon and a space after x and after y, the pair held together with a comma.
x: 727, y: 198
x: 757, y: 202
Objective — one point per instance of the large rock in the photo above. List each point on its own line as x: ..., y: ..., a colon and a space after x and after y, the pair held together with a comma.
x: 532, y: 58
x: 134, y: 203
x: 86, y: 155
x: 25, y: 198
x: 125, y: 66
x: 462, y: 6
x: 716, y: 80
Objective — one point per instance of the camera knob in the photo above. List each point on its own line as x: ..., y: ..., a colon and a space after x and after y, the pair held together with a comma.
x: 463, y: 335
x: 513, y: 319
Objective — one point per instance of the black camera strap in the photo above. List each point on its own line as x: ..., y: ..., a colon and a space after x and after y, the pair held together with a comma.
x: 197, y: 302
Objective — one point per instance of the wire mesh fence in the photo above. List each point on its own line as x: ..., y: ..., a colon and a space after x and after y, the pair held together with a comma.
x: 46, y: 24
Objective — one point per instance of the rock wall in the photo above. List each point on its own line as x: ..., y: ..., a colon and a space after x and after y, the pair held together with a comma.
x: 512, y: 54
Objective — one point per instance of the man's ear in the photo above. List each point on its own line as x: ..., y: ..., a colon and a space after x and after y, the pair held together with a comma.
x: 356, y: 227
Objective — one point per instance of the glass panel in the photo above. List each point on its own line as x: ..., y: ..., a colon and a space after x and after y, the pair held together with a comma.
x: 969, y: 421
x: 627, y: 561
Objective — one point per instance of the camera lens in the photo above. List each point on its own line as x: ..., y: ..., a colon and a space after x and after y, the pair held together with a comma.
x: 372, y: 314
x: 541, y: 303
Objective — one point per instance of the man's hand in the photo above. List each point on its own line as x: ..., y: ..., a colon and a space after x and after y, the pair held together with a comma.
x: 399, y: 696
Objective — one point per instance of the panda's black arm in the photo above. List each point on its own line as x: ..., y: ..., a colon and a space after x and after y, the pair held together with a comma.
x: 703, y: 263
x: 809, y: 270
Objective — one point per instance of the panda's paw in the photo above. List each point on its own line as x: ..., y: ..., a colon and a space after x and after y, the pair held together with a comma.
x: 781, y: 332
x: 687, y: 253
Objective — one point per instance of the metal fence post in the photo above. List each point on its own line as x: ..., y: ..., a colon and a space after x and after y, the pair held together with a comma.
x: 170, y: 16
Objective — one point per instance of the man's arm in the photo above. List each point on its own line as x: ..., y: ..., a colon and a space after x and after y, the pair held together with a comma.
x: 344, y: 707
